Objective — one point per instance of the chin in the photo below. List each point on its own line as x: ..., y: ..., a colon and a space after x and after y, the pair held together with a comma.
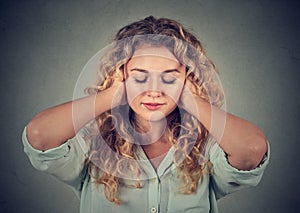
x: 155, y: 116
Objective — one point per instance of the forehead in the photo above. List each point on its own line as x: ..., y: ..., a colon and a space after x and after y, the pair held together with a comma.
x: 153, y: 59
x: 159, y: 51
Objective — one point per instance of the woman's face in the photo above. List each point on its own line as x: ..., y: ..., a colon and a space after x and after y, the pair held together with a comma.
x: 154, y: 82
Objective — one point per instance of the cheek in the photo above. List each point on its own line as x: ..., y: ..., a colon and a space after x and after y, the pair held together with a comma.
x: 173, y: 91
x: 135, y: 106
x: 133, y: 90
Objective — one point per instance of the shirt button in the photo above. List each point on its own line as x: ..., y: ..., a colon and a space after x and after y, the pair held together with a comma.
x: 153, y: 210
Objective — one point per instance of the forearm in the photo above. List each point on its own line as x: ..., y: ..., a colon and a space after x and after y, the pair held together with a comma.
x: 53, y: 126
x: 243, y: 142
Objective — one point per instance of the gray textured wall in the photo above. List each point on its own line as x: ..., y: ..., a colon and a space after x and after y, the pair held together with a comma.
x: 255, y: 45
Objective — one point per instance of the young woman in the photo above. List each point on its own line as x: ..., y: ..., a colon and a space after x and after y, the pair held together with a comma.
x: 151, y: 135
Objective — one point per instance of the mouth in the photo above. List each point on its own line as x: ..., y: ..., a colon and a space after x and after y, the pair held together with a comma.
x: 152, y: 105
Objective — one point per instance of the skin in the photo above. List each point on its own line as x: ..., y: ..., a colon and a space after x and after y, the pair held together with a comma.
x: 244, y: 143
x: 154, y: 83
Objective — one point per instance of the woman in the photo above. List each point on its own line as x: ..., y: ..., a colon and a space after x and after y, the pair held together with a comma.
x: 151, y: 136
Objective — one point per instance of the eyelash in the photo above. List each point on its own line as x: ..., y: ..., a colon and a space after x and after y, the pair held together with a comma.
x: 144, y: 80
x: 140, y: 81
x: 168, y: 82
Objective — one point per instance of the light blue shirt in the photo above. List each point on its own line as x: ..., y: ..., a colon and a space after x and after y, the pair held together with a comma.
x: 159, y: 194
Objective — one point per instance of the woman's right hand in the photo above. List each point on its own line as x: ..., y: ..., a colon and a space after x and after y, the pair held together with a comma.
x: 55, y: 125
x: 118, y: 93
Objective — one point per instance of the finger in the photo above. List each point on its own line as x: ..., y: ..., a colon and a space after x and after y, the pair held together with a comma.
x: 192, y: 88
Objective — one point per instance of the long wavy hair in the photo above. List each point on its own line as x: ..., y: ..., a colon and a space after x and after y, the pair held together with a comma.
x: 113, y: 149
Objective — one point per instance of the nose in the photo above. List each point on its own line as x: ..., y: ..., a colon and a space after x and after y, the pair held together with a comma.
x: 154, y: 93
x: 154, y: 88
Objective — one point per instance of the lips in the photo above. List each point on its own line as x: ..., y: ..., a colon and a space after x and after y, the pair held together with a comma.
x: 153, y: 105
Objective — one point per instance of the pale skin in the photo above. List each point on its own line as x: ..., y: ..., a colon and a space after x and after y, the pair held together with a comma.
x: 244, y: 142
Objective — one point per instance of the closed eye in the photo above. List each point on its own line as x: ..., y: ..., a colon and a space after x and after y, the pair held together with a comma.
x: 168, y: 79
x: 140, y: 78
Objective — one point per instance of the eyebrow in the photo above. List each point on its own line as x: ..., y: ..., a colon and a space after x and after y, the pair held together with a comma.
x: 146, y: 71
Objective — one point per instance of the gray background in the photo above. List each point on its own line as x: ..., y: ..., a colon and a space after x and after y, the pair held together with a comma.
x: 255, y: 45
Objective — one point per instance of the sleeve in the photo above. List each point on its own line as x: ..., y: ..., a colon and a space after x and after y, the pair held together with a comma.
x: 227, y: 179
x: 66, y: 162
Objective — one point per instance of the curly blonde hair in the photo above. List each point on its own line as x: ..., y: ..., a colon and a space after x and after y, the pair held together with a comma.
x: 113, y: 146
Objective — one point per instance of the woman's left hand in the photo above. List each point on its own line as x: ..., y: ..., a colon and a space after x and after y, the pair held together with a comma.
x: 188, y: 97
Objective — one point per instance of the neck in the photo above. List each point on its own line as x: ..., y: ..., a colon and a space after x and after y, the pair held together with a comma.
x: 151, y: 131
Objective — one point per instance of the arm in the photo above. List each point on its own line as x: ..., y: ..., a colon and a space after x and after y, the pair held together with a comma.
x: 244, y: 143
x: 53, y: 126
